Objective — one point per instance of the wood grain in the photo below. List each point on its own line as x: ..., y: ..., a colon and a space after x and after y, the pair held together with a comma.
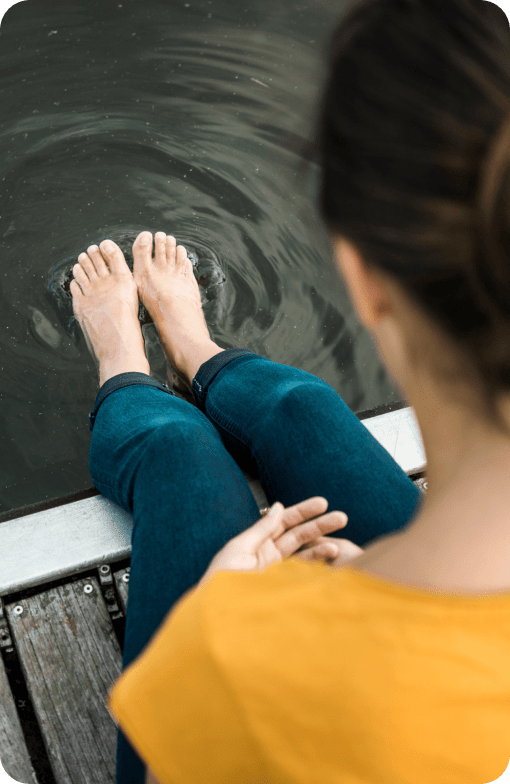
x: 14, y: 755
x: 70, y: 657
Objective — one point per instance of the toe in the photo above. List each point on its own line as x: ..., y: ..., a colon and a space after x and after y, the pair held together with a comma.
x: 75, y: 289
x: 87, y: 265
x: 160, y: 251
x: 182, y: 257
x: 170, y: 250
x: 81, y: 277
x: 142, y: 251
x: 114, y: 258
x: 93, y: 262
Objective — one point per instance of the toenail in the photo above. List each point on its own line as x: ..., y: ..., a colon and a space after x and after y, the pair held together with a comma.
x: 108, y: 245
x: 144, y: 239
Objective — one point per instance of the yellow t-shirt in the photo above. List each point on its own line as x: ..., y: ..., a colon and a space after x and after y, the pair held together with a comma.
x: 304, y: 674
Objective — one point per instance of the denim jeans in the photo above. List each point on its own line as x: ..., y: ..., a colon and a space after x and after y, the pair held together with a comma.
x: 177, y: 469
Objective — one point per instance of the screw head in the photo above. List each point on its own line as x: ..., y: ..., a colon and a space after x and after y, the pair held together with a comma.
x: 104, y: 569
x: 125, y: 577
x: 18, y: 609
x: 88, y: 588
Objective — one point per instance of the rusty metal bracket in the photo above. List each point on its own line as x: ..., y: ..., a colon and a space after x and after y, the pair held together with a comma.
x: 422, y: 484
x: 108, y: 591
x: 105, y: 575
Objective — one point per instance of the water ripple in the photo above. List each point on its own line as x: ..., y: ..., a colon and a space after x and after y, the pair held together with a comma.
x: 189, y: 119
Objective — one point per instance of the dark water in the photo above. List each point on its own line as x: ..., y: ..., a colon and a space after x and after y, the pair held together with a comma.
x: 187, y: 118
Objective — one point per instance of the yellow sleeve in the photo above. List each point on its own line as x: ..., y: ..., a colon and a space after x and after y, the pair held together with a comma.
x: 177, y: 708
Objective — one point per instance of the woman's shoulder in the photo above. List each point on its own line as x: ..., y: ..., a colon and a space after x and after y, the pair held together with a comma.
x: 397, y: 563
x: 386, y: 573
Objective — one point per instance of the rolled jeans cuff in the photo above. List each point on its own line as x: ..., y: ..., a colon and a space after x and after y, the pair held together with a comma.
x: 205, y: 374
x: 124, y: 380
x: 210, y: 369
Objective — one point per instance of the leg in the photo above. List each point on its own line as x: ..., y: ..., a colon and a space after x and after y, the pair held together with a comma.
x: 288, y: 426
x: 298, y: 435
x: 160, y: 458
x: 156, y: 456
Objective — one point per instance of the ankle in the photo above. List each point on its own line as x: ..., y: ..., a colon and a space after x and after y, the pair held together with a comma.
x: 111, y: 368
x: 195, y: 358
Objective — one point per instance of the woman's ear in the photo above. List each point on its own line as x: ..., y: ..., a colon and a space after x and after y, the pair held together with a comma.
x: 379, y: 307
x: 367, y: 290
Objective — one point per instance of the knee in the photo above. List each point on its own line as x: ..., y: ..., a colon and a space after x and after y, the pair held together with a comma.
x: 307, y: 394
x: 182, y: 437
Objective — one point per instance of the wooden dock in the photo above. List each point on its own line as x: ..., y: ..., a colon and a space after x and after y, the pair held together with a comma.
x: 62, y: 628
x: 61, y: 652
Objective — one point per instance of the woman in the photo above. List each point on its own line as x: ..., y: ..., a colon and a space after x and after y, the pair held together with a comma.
x: 246, y: 661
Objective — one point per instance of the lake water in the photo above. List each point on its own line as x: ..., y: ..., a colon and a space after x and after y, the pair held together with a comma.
x: 187, y: 118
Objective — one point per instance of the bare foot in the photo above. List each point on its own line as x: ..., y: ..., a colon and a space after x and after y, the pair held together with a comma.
x: 170, y: 292
x: 105, y: 303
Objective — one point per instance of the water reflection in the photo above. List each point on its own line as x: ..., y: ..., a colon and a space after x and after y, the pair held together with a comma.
x: 188, y: 119
x: 43, y: 329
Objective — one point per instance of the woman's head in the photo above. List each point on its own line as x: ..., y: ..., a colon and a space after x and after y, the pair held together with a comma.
x: 414, y: 146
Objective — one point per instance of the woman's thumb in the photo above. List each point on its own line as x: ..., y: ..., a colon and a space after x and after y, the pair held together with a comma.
x: 265, y: 527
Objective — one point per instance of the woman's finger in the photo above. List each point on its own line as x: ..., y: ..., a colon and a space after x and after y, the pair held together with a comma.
x: 304, y: 510
x: 265, y: 528
x: 322, y: 540
x: 294, y: 538
x: 347, y: 550
x: 320, y: 551
x: 301, y: 512
x: 280, y: 519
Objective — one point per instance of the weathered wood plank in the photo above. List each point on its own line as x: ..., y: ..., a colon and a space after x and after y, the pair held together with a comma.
x: 121, y: 578
x: 95, y: 531
x: 14, y: 755
x: 70, y: 657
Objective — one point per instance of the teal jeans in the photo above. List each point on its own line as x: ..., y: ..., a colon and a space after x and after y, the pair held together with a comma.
x: 177, y: 469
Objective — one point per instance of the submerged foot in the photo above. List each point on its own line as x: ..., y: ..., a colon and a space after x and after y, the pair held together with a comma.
x: 105, y: 303
x: 170, y: 292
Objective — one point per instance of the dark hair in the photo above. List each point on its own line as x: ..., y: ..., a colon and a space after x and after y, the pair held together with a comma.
x: 413, y: 141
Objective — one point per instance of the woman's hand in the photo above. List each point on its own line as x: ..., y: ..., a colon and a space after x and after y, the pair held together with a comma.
x: 282, y: 532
